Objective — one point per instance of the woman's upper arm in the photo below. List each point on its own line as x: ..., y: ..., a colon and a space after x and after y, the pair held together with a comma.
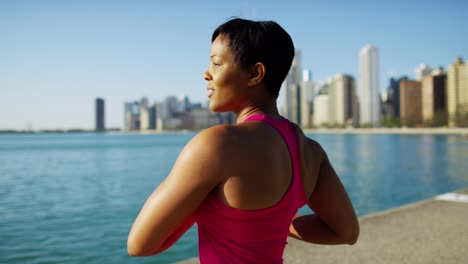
x: 331, y: 203
x: 194, y: 175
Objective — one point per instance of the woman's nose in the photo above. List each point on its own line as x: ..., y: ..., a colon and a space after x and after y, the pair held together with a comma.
x: 207, y: 75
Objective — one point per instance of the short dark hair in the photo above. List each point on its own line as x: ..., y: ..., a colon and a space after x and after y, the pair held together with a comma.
x: 260, y: 41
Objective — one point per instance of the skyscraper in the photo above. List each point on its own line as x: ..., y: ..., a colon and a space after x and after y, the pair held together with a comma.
x: 152, y: 116
x: 131, y: 116
x: 369, y: 101
x: 342, y: 100
x: 390, y: 102
x: 434, y: 110
x: 321, y: 115
x: 99, y: 115
x: 306, y: 97
x: 170, y: 107
x: 294, y: 103
x: 410, y: 102
x: 457, y: 93
x: 422, y: 70
x: 144, y: 114
x: 293, y: 79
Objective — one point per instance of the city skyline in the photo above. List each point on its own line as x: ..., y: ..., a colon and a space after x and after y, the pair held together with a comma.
x: 57, y: 57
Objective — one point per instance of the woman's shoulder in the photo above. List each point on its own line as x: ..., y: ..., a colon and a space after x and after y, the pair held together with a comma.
x: 306, y: 143
x: 233, y: 140
x: 219, y: 138
x: 217, y: 134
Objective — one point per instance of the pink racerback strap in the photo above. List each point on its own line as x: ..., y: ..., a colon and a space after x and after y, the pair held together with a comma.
x: 286, y: 130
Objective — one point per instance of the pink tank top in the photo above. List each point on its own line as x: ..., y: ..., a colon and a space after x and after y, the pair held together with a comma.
x: 230, y: 235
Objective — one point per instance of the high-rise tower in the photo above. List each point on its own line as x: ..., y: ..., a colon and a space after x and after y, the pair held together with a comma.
x: 457, y: 93
x: 410, y: 102
x: 99, y: 115
x: 306, y: 97
x: 321, y: 107
x: 291, y: 91
x: 422, y: 70
x: 342, y: 100
x: 369, y: 102
x: 144, y: 114
x: 433, y: 99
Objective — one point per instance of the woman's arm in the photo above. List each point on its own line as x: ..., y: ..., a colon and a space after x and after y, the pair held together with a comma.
x: 174, y: 236
x: 334, y: 221
x: 166, y: 215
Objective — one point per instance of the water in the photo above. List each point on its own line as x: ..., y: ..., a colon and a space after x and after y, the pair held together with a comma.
x: 72, y: 198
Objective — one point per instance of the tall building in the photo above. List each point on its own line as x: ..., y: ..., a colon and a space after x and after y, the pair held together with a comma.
x: 393, y: 94
x: 392, y: 102
x: 457, y: 93
x: 159, y: 115
x: 434, y: 110
x: 386, y: 105
x: 127, y: 116
x: 293, y: 79
x: 342, y: 100
x: 369, y: 101
x: 152, y: 116
x: 421, y: 71
x: 410, y: 102
x: 295, y: 103
x: 306, y: 99
x: 321, y: 115
x: 170, y: 107
x: 320, y: 87
x: 144, y: 114
x: 186, y: 105
x: 100, y: 115
x: 131, y: 116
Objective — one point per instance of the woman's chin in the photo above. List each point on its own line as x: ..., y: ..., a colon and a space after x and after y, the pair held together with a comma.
x: 217, y: 108
x: 212, y: 106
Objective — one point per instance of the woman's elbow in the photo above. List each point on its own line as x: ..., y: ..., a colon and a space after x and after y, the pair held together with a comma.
x: 133, y: 253
x: 135, y: 249
x: 352, y: 235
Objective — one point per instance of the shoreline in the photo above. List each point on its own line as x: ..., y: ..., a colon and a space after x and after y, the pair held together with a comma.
x: 381, y: 130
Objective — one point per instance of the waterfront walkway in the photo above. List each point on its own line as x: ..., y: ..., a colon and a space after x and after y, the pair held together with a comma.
x: 429, y: 231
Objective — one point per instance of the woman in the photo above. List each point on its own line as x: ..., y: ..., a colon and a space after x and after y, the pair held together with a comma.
x: 243, y: 184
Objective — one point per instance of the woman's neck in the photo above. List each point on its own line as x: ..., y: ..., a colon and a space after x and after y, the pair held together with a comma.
x: 267, y: 107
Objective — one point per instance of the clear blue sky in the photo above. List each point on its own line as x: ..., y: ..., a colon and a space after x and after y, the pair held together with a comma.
x: 56, y: 57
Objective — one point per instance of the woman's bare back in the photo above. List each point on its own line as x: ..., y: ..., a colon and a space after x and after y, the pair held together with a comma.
x: 261, y: 167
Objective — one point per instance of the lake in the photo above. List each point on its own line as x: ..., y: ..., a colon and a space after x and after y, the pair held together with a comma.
x: 72, y: 198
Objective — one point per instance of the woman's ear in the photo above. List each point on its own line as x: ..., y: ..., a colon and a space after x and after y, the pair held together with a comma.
x: 257, y: 74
